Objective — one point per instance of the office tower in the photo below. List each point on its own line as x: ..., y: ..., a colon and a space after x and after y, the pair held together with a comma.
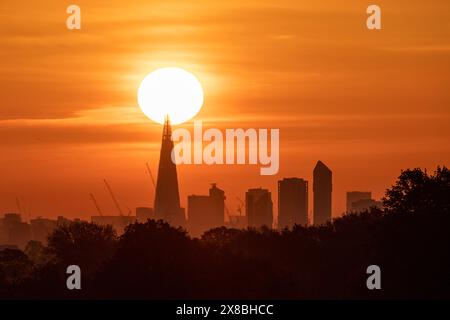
x: 20, y: 234
x: 206, y: 212
x: 15, y: 231
x: 354, y: 196
x: 365, y: 204
x: 217, y: 197
x: 259, y: 208
x: 292, y: 202
x: 167, y: 198
x: 322, y: 186
x: 143, y: 214
x: 41, y: 228
x: 11, y: 219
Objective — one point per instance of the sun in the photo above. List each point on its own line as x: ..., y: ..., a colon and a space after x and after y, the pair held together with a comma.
x: 170, y: 91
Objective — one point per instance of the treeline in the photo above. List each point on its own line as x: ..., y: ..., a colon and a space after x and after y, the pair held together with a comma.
x: 409, y: 240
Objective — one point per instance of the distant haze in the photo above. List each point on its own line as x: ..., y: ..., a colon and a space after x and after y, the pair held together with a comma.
x: 366, y: 103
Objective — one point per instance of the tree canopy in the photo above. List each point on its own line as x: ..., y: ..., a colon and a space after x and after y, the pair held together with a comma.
x: 409, y: 240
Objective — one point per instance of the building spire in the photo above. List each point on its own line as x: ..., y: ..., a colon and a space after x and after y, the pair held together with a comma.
x: 167, y: 197
x: 167, y: 131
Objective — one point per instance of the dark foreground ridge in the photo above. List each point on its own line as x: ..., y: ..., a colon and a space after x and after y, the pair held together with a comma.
x: 409, y: 240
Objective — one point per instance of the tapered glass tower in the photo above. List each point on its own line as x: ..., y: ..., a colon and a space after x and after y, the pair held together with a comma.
x: 167, y: 198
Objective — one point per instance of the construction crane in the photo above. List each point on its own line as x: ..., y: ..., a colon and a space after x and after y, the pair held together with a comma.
x: 129, y: 210
x: 18, y: 205
x: 241, y: 204
x: 150, y: 174
x: 22, y: 209
x: 113, y: 197
x: 227, y: 212
x: 94, y: 201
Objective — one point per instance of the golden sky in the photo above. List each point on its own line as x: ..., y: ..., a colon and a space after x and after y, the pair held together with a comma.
x: 367, y: 103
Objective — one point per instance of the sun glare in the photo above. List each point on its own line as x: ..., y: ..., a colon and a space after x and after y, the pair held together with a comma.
x: 170, y: 91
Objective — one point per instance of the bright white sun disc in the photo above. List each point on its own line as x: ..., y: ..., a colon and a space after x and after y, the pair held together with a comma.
x: 170, y: 91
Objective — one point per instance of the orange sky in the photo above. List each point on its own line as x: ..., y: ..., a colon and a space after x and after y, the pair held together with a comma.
x: 367, y: 103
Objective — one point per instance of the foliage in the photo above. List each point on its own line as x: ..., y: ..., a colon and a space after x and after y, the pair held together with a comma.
x: 84, y: 244
x: 410, y: 241
x: 417, y: 191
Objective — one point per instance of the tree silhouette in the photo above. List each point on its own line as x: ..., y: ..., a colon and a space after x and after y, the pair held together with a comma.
x: 15, y: 268
x: 37, y: 252
x: 410, y: 241
x: 152, y: 260
x: 87, y: 245
x: 416, y: 191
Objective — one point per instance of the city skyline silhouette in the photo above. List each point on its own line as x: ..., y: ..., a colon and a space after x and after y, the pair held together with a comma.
x: 236, y: 153
x: 368, y: 103
x: 204, y: 212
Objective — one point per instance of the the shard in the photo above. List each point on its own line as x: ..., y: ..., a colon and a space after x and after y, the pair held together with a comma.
x: 167, y: 197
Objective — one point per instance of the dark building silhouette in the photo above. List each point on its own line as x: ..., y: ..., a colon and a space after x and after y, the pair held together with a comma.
x: 4, y: 236
x: 11, y: 219
x: 61, y: 220
x: 119, y: 223
x: 354, y: 196
x: 167, y: 198
x: 206, y: 212
x: 41, y: 228
x: 14, y: 231
x: 259, y: 208
x: 292, y: 202
x: 365, y: 204
x: 322, y: 186
x: 143, y: 214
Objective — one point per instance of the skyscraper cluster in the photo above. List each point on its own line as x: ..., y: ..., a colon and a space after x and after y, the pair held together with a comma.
x: 208, y: 211
x: 293, y: 199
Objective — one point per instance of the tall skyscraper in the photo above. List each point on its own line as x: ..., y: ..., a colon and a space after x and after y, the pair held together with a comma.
x: 354, y: 196
x: 206, y: 212
x: 259, y: 208
x: 167, y: 197
x: 292, y: 202
x: 322, y: 186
